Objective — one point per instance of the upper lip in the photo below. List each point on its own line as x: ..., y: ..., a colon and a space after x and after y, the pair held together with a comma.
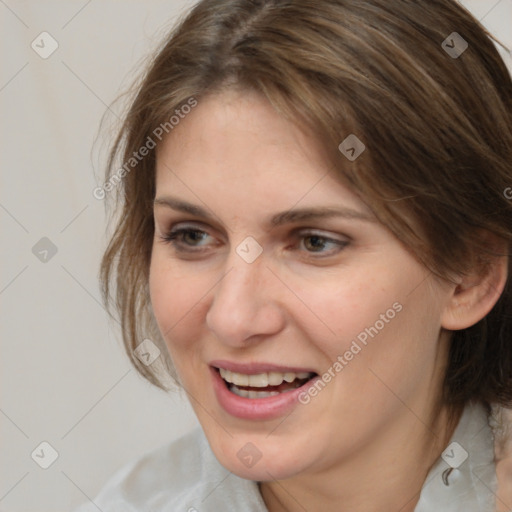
x: 254, y: 368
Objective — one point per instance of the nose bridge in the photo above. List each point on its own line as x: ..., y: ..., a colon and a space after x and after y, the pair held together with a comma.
x: 242, y: 304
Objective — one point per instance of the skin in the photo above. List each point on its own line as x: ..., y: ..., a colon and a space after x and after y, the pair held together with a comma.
x: 367, y: 441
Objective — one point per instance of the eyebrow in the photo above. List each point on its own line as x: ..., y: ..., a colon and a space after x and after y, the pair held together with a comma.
x: 278, y: 219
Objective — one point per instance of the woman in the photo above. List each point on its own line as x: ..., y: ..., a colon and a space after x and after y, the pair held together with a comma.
x: 314, y: 235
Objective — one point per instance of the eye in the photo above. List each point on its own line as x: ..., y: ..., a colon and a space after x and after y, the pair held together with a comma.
x: 315, y: 243
x: 188, y: 239
x: 184, y: 237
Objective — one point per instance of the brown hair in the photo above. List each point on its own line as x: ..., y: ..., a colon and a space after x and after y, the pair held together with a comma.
x: 437, y: 129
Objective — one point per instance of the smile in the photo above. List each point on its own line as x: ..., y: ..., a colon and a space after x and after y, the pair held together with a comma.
x: 259, y: 390
x: 263, y: 385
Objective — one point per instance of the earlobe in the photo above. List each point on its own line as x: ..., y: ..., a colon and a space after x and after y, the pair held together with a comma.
x: 476, y: 294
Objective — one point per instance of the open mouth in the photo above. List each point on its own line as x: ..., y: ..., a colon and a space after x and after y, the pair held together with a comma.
x: 263, y: 385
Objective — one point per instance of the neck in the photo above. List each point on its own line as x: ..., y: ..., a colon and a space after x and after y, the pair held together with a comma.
x: 388, y: 474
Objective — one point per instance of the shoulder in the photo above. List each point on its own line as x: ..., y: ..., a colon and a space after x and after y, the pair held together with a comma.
x: 182, y: 475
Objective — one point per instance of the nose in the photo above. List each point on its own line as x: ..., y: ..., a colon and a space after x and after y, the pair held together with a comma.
x: 246, y: 304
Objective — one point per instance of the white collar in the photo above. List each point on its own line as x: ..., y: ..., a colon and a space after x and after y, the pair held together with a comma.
x: 471, y: 485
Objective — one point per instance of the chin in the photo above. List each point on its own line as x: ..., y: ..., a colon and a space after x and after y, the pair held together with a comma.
x: 259, y: 459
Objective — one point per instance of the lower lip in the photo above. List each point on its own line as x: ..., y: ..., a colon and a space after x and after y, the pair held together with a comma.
x: 267, y: 408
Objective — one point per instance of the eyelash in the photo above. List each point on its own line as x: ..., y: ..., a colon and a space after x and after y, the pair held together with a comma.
x: 172, y: 237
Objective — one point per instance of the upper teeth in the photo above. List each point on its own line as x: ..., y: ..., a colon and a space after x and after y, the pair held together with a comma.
x: 261, y: 380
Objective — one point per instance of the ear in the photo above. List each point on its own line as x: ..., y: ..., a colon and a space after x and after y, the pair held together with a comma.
x: 476, y: 293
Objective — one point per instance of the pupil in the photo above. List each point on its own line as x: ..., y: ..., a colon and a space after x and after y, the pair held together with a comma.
x: 315, y: 239
x: 194, y: 235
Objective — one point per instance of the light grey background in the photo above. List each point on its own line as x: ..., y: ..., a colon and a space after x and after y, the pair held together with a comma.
x: 64, y: 377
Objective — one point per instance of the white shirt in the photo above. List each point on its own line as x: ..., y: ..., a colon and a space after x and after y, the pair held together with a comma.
x: 185, y: 476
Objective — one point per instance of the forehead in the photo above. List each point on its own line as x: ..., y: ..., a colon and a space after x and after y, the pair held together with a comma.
x: 234, y: 124
x: 235, y: 145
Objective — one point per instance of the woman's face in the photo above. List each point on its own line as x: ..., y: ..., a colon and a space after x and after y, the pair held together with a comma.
x: 336, y: 296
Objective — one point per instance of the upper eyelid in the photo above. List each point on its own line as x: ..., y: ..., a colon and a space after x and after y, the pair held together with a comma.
x: 302, y: 232
x: 184, y: 218
x: 199, y: 226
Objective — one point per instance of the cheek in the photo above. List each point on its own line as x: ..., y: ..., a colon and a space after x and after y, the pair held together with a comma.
x: 374, y: 320
x: 346, y: 306
x: 178, y: 296
x: 173, y: 297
